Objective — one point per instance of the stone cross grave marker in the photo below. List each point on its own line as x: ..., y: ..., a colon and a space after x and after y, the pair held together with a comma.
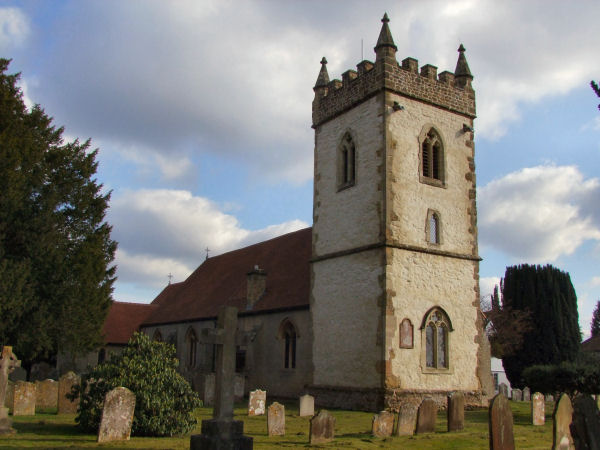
x: 501, y: 424
x: 322, y: 428
x: 526, y: 394
x: 517, y: 395
x: 222, y: 431
x: 503, y: 389
x: 117, y: 415
x: 538, y: 409
x: 276, y: 420
x: 562, y: 417
x: 46, y: 394
x: 7, y: 364
x: 585, y: 427
x: 407, y: 420
x: 426, y: 416
x: 383, y: 424
x: 307, y: 405
x: 256, y: 402
x: 24, y: 399
x: 65, y: 384
x: 456, y: 411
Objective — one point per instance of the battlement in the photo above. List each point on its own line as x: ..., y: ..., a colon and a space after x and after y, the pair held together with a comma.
x: 451, y: 91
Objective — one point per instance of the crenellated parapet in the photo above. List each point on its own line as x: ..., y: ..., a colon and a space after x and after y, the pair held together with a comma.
x: 451, y: 91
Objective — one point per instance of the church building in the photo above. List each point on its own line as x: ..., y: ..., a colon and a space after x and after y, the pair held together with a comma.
x: 378, y: 302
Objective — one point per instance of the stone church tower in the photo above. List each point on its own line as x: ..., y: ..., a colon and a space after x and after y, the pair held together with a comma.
x: 395, y: 264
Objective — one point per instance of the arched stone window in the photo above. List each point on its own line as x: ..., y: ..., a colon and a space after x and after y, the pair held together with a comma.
x: 433, y: 227
x: 432, y: 157
x: 436, y: 339
x: 288, y: 334
x: 157, y: 336
x: 346, y: 162
x: 191, y: 341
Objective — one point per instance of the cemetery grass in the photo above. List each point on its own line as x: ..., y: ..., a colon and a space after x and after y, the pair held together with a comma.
x: 352, y: 432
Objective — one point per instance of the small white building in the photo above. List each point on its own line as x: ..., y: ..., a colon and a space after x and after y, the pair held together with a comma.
x: 499, y: 375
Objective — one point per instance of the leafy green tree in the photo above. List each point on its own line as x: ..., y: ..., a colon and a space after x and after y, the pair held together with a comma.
x: 55, y: 248
x: 548, y: 295
x: 164, y: 402
x: 595, y: 326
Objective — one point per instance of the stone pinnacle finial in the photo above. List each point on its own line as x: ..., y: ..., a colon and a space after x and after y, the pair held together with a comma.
x: 323, y: 78
x: 385, y: 35
x: 462, y: 68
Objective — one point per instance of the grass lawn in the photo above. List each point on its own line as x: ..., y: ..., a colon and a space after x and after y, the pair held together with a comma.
x: 352, y: 431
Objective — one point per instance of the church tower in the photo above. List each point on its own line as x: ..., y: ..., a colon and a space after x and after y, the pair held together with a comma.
x: 395, y: 264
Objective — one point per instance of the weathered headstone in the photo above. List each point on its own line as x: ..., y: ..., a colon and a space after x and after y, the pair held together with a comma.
x: 256, y: 402
x: 526, y: 394
x: 456, y: 411
x: 503, y: 389
x: 501, y: 424
x: 538, y: 409
x: 383, y: 424
x: 407, y: 420
x: 276, y: 420
x: 585, y: 427
x: 205, y: 385
x: 307, y: 405
x: 8, y: 362
x: 239, y: 383
x: 562, y: 417
x: 426, y: 416
x: 549, y: 398
x: 517, y: 395
x: 117, y: 415
x: 46, y: 394
x: 322, y: 428
x: 222, y: 431
x: 24, y: 399
x: 65, y: 384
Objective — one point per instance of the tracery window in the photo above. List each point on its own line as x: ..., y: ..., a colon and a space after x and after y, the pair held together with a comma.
x: 289, y: 336
x: 436, y: 326
x: 432, y: 156
x: 346, y: 162
x: 192, y: 348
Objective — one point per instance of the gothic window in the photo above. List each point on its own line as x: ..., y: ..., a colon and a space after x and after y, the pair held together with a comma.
x: 346, y: 162
x: 433, y: 227
x: 287, y: 333
x: 432, y: 158
x: 406, y: 334
x: 157, y: 336
x: 191, y: 341
x: 436, y: 327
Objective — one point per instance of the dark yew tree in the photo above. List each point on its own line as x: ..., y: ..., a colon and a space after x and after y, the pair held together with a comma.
x: 548, y: 295
x: 55, y: 248
x: 595, y: 326
x: 596, y: 89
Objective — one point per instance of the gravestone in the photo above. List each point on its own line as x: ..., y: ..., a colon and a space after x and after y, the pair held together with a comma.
x: 24, y: 399
x: 10, y: 391
x: 538, y: 409
x: 307, y: 405
x: 407, y: 420
x: 8, y: 362
x: 46, y: 394
x: 222, y: 432
x: 256, y: 402
x: 562, y: 417
x: 503, y: 389
x: 501, y: 424
x: 383, y: 424
x: 549, y: 398
x: 526, y: 394
x: 456, y: 411
x: 585, y: 427
x: 276, y: 420
x: 117, y: 415
x: 65, y: 384
x: 517, y: 395
x: 322, y: 428
x: 426, y: 416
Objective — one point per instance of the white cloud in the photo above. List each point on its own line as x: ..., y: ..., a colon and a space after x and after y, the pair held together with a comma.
x: 14, y: 28
x: 486, y: 285
x: 164, y: 231
x: 538, y: 214
x: 595, y: 281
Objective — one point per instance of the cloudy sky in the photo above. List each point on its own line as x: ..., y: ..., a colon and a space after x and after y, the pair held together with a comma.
x: 202, y: 112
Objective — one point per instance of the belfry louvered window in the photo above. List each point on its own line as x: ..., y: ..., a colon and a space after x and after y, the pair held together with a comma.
x: 346, y: 162
x: 432, y: 156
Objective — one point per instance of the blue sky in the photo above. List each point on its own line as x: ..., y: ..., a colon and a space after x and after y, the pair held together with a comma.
x: 202, y: 111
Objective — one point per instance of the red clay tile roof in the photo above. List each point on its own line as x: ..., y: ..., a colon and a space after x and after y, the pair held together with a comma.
x: 591, y: 345
x: 221, y: 280
x: 123, y: 319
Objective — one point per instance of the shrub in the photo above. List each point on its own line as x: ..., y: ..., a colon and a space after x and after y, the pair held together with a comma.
x: 578, y: 377
x: 164, y: 399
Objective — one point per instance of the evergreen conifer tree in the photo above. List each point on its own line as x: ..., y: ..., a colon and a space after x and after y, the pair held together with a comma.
x: 595, y: 327
x: 548, y: 295
x: 55, y: 248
